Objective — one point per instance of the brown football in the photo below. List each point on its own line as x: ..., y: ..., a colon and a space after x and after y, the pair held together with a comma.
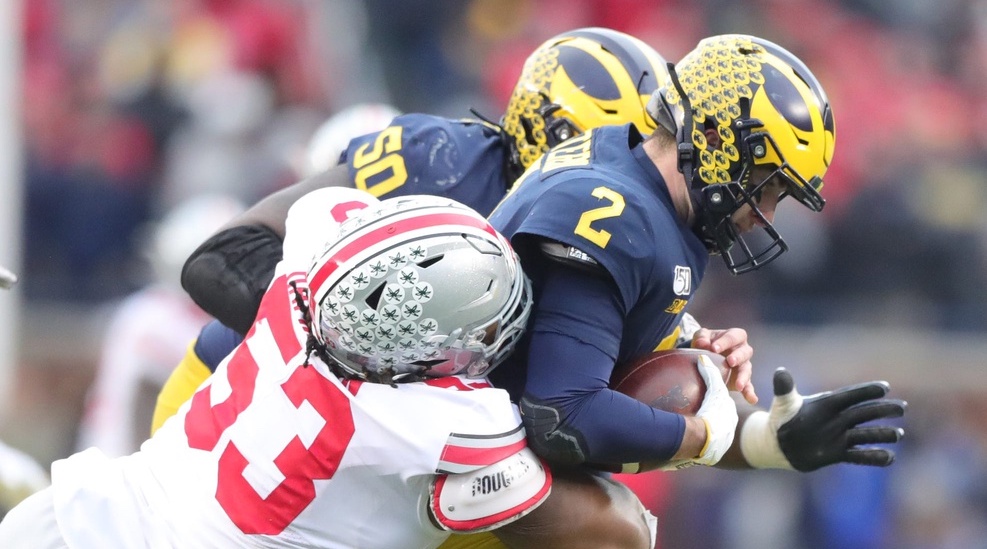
x: 666, y: 380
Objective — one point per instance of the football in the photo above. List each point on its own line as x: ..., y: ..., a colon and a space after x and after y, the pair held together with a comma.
x: 666, y: 380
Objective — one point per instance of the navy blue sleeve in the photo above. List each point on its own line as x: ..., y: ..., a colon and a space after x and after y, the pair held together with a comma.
x: 569, y: 372
x: 424, y: 154
x: 215, y: 341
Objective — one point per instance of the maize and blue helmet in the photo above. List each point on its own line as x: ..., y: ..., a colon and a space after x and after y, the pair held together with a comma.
x: 576, y: 81
x: 770, y: 117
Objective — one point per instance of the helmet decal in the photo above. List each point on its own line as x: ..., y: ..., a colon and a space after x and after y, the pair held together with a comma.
x: 768, y: 115
x: 629, y: 53
x: 587, y: 73
x: 521, y: 117
x: 786, y: 99
x: 417, y: 286
x: 578, y: 81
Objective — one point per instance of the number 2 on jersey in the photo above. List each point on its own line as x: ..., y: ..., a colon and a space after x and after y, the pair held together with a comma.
x: 585, y: 228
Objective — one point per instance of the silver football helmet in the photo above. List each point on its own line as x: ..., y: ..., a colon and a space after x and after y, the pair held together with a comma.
x: 418, y: 286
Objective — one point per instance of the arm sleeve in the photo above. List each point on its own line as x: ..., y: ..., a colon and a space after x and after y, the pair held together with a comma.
x: 228, y: 274
x: 215, y: 341
x: 570, y: 413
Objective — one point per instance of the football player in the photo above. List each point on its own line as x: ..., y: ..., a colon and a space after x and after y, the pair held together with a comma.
x: 358, y: 393
x: 577, y: 80
x: 623, y: 226
x: 229, y: 268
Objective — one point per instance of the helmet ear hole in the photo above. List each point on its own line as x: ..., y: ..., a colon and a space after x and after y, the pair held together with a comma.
x: 430, y: 261
x: 373, y: 299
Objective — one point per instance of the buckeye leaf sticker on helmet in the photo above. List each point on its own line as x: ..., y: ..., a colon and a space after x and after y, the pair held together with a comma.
x: 418, y: 286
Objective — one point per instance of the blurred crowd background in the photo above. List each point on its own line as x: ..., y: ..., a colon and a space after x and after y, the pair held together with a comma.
x: 131, y: 109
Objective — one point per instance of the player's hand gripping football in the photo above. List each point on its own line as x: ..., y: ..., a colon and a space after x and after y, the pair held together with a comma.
x: 719, y: 414
x: 808, y: 432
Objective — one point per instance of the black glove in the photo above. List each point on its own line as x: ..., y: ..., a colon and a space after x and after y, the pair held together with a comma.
x: 806, y: 433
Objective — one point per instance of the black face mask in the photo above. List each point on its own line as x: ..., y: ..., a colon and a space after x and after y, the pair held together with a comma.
x: 715, y: 205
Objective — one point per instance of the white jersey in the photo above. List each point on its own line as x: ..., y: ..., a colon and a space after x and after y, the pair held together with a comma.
x: 276, y: 451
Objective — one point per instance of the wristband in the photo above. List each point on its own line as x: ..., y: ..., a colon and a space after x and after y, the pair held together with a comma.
x: 709, y: 436
x: 759, y: 443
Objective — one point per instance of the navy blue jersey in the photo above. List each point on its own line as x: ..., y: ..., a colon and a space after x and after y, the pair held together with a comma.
x: 600, y: 195
x: 422, y: 154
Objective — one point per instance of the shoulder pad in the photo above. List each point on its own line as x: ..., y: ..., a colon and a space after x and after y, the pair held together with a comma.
x: 488, y: 498
x: 228, y: 274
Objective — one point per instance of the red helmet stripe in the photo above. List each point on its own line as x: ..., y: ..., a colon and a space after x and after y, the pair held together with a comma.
x: 389, y: 230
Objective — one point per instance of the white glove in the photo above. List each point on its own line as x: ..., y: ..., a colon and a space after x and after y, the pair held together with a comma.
x: 7, y: 278
x: 718, y: 412
x: 688, y: 326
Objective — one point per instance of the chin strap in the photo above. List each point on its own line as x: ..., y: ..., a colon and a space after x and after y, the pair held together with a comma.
x: 512, y: 159
x: 705, y: 200
x: 659, y: 111
x: 713, y: 205
x: 683, y: 133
